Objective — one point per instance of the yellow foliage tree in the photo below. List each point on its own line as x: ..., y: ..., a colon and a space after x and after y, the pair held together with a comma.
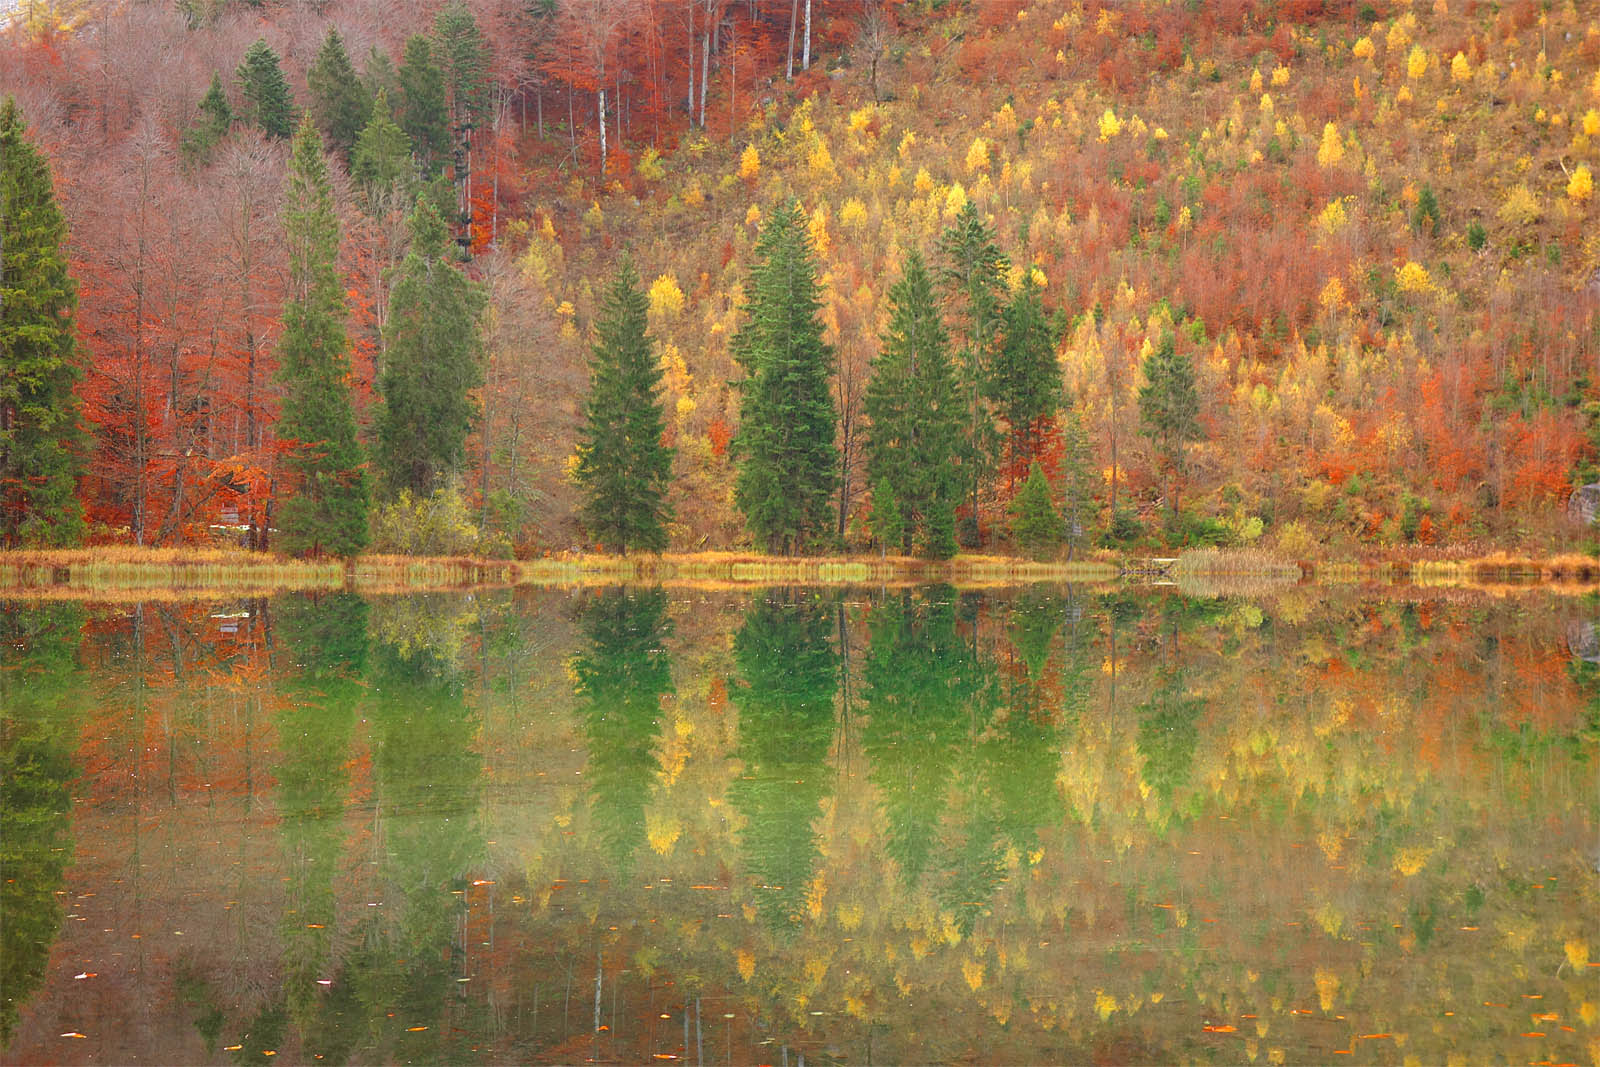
x: 1416, y: 63
x: 1413, y: 278
x: 666, y: 299
x: 1331, y: 151
x: 978, y: 156
x: 1460, y: 69
x: 1110, y: 125
x: 749, y: 163
x: 1581, y: 187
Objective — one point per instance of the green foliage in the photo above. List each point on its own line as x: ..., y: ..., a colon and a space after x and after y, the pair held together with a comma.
x: 1124, y: 529
x: 424, y: 111
x: 1079, y: 479
x: 619, y: 680
x: 210, y: 126
x: 623, y: 466
x: 435, y: 525
x: 973, y: 274
x: 1477, y: 236
x: 1025, y: 380
x: 785, y: 451
x: 888, y: 524
x: 268, y: 101
x: 339, y: 101
x: 1035, y: 522
x: 1425, y: 216
x: 433, y: 362
x: 40, y: 437
x: 327, y: 509
x: 463, y: 58
x: 1169, y: 407
x: 382, y: 161
x: 915, y: 414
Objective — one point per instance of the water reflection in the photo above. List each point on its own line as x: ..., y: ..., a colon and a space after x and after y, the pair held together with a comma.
x: 1050, y: 826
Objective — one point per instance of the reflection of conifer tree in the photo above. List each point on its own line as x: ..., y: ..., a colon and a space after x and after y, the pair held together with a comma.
x: 38, y: 664
x: 917, y: 700
x: 786, y: 719
x: 1022, y: 753
x: 620, y: 679
x: 426, y: 772
x: 325, y: 638
x: 1168, y: 733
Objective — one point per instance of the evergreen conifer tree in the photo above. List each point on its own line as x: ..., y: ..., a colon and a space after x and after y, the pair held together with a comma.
x: 623, y: 467
x: 915, y: 413
x: 463, y: 58
x: 433, y: 359
x: 379, y: 76
x: 1025, y: 381
x: 381, y: 161
x: 1034, y: 520
x: 888, y: 524
x: 210, y: 126
x: 327, y: 511
x: 340, y: 103
x: 268, y: 102
x: 1169, y: 409
x: 974, y: 277
x: 1078, y: 479
x: 40, y: 438
x: 785, y: 449
x: 424, y: 111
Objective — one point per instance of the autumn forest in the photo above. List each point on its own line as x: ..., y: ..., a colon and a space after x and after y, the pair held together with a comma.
x: 512, y: 277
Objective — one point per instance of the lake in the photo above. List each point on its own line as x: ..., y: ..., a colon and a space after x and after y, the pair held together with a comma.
x: 1047, y: 825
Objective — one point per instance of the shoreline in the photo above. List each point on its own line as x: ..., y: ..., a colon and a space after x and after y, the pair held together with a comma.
x: 123, y: 572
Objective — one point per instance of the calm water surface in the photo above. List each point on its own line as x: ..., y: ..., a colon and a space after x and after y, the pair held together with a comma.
x: 673, y: 825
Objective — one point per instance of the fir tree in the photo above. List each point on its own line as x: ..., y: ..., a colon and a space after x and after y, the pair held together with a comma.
x: 433, y: 356
x: 327, y: 512
x: 1034, y: 520
x: 1169, y: 409
x: 888, y: 524
x: 210, y: 126
x: 1025, y: 380
x: 424, y: 113
x: 463, y: 58
x: 973, y: 274
x: 915, y: 414
x: 785, y: 448
x: 623, y: 467
x: 268, y: 103
x: 40, y: 438
x: 379, y: 76
x: 381, y: 161
x: 339, y: 101
x: 1078, y: 478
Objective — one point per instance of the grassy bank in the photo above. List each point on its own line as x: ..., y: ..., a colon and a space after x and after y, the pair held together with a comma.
x: 125, y: 572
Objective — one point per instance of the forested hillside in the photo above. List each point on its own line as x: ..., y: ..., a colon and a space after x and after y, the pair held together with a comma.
x: 1314, y: 276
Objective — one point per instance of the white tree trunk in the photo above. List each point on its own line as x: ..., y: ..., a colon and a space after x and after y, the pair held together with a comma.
x: 805, y: 60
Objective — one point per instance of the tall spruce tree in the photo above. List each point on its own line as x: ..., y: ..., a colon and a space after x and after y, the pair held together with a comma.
x: 785, y: 449
x: 327, y: 511
x: 1025, y: 380
x: 268, y: 102
x: 1035, y: 523
x: 424, y: 110
x: 382, y: 162
x: 40, y: 438
x: 1169, y: 410
x: 339, y: 101
x: 1078, y: 479
x: 211, y: 125
x: 623, y: 467
x: 464, y: 60
x: 915, y: 414
x: 974, y: 277
x: 433, y: 359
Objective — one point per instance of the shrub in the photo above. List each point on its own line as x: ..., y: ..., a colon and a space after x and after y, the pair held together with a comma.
x: 436, y: 525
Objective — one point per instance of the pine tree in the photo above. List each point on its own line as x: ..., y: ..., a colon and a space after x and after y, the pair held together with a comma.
x: 623, y: 467
x: 785, y: 448
x: 1169, y: 409
x: 381, y: 161
x: 1078, y: 505
x: 327, y: 511
x: 210, y: 126
x: 40, y: 457
x: 433, y: 359
x: 268, y: 102
x: 915, y: 413
x: 1025, y: 380
x: 339, y: 101
x: 424, y: 113
x: 1034, y: 521
x: 973, y: 275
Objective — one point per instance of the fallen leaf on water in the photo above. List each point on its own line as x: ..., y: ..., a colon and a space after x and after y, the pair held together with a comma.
x: 232, y: 1048
x: 415, y: 1029
x: 1534, y: 1033
x: 1374, y: 1037
x: 1220, y: 1029
x: 73, y: 1033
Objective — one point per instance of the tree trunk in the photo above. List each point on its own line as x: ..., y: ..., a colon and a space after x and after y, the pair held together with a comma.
x: 805, y: 62
x: 794, y: 18
x: 600, y: 94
